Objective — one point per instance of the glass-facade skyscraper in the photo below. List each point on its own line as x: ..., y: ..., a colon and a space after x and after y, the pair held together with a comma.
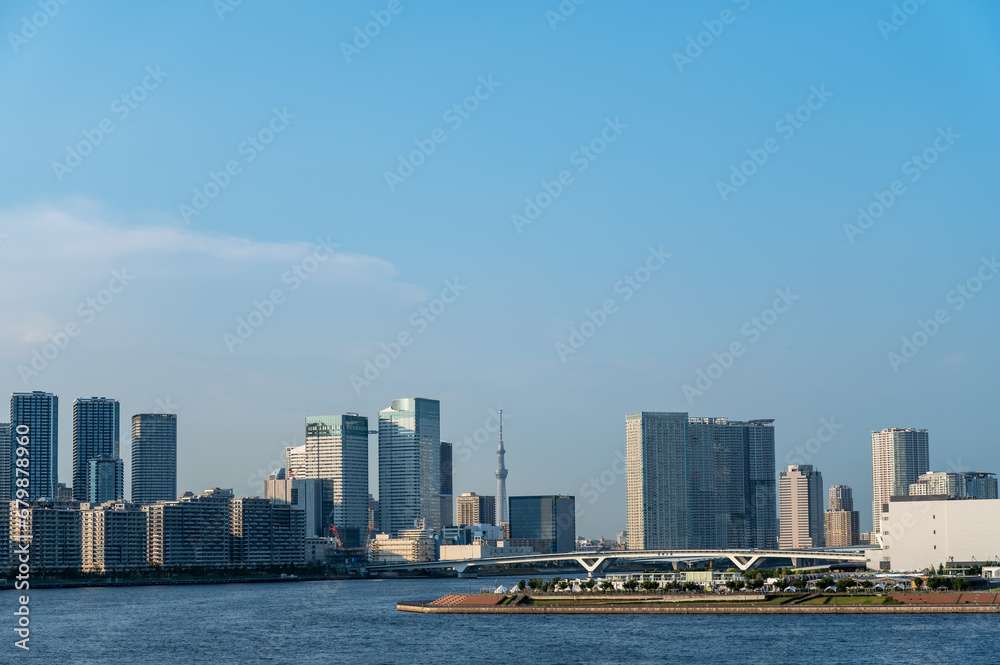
x: 447, y: 493
x: 105, y: 479
x: 409, y: 464
x: 547, y: 523
x: 39, y: 412
x: 699, y: 483
x: 336, y: 452
x: 154, y: 457
x: 96, y: 428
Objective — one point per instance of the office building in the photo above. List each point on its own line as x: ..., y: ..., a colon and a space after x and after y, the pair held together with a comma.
x: 699, y: 483
x: 336, y: 452
x: 899, y: 458
x: 842, y: 523
x: 191, y: 531
x: 545, y: 523
x: 105, y: 479
x: 53, y: 529
x: 113, y: 537
x: 409, y: 464
x: 447, y: 495
x: 266, y: 533
x: 6, y: 463
x: 955, y: 485
x: 96, y: 426
x: 154, y: 457
x: 800, y: 498
x: 306, y: 494
x: 39, y: 412
x: 475, y: 509
x: 923, y: 531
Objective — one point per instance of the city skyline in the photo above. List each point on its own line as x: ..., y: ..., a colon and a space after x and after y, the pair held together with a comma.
x: 976, y: 479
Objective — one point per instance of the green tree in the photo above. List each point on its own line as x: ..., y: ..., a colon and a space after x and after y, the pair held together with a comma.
x: 631, y: 585
x: 520, y: 585
x: 564, y: 585
x: 918, y: 583
x: 606, y: 585
x: 844, y: 584
x: 691, y: 586
x: 650, y: 585
x: 823, y: 582
x: 959, y: 583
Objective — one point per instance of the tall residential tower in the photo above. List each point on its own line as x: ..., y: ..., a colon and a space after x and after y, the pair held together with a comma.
x: 96, y: 429
x: 899, y: 458
x: 154, y: 457
x: 699, y: 482
x: 39, y: 412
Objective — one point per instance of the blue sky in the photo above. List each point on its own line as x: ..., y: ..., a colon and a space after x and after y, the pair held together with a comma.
x: 517, y: 290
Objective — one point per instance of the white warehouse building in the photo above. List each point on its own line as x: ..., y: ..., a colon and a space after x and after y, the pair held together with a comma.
x: 923, y: 531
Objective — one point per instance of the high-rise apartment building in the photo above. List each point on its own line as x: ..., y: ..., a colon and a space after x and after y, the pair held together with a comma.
x: 899, y: 458
x: 409, y: 464
x: 447, y: 480
x: 336, y: 452
x: 842, y: 524
x: 105, y: 479
x: 53, y: 531
x: 39, y: 413
x: 475, y: 509
x: 113, y: 537
x: 266, y: 533
x: 154, y: 457
x: 545, y: 523
x: 973, y: 485
x: 96, y: 428
x: 800, y: 497
x: 191, y: 531
x: 6, y: 462
x: 694, y: 483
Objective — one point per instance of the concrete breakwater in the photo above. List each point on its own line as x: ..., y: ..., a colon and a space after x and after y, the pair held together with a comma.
x: 427, y: 608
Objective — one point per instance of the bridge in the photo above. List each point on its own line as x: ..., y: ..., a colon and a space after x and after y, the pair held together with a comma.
x: 597, y: 562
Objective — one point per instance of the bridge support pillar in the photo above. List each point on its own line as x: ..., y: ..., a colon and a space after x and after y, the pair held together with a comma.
x: 594, y: 565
